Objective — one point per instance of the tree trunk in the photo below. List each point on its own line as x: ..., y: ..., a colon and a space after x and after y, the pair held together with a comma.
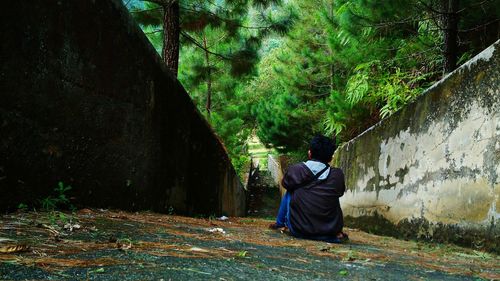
x: 450, y: 8
x: 171, y: 31
x: 332, y: 67
x: 208, y: 106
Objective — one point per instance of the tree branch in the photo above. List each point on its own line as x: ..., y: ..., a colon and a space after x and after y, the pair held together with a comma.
x: 479, y: 26
x: 227, y: 21
x: 431, y: 8
x: 197, y: 44
x: 145, y: 11
x: 163, y: 3
x: 154, y: 31
x: 473, y: 5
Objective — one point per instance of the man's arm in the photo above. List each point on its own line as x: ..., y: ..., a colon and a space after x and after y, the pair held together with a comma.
x: 293, y: 178
x: 340, y: 182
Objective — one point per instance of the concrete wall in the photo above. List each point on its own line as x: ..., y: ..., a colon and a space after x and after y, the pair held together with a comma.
x: 85, y: 99
x: 274, y: 169
x: 277, y: 167
x: 432, y: 170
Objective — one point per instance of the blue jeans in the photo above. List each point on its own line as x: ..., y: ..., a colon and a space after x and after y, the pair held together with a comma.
x: 283, y: 218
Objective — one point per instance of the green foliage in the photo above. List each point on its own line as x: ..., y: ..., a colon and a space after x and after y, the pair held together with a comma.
x: 343, y: 272
x: 48, y: 203
x: 56, y: 217
x: 242, y: 254
x: 220, y: 42
x: 292, y: 69
x: 283, y: 121
x: 228, y: 31
x: 232, y: 123
x: 60, y: 200
x: 22, y: 207
x: 98, y: 270
x: 343, y: 66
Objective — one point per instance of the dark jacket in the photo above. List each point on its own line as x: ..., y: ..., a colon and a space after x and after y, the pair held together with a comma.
x: 314, y: 208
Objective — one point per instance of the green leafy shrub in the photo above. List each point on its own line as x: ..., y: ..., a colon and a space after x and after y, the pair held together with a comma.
x: 59, y: 200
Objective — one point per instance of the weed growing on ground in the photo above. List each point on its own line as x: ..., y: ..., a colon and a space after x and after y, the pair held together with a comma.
x: 242, y: 254
x: 60, y: 200
x: 22, y: 207
x: 56, y: 217
x: 343, y: 272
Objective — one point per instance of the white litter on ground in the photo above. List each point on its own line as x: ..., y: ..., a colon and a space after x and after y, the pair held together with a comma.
x: 216, y: 229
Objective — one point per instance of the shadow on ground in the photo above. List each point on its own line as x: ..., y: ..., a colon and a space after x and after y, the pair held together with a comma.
x: 109, y: 245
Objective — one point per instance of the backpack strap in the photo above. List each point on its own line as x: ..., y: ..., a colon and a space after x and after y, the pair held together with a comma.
x: 311, y: 182
x: 320, y: 173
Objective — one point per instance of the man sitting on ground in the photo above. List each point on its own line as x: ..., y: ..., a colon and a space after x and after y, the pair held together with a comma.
x: 310, y: 208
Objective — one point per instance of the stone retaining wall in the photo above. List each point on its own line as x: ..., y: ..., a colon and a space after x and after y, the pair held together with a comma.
x: 432, y: 170
x: 86, y: 100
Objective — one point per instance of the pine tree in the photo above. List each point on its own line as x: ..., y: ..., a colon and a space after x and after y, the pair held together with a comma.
x: 219, y: 43
x: 190, y: 19
x: 344, y: 64
x: 349, y: 63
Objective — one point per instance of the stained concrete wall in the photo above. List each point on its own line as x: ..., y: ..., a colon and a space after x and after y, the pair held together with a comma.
x: 432, y: 170
x: 85, y: 99
x: 274, y: 168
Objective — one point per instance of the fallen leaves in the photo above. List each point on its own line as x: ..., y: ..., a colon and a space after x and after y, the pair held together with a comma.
x: 71, y: 227
x: 123, y: 244
x: 99, y: 270
x: 160, y: 235
x: 475, y: 254
x: 216, y: 230
x: 9, y: 246
x: 52, y: 230
x: 9, y: 249
x: 62, y: 262
x: 196, y: 249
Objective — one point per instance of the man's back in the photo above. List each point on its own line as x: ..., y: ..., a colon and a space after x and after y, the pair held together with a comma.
x: 314, y: 207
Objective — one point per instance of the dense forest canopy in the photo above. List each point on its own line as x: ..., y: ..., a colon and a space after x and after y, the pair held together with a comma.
x: 291, y: 69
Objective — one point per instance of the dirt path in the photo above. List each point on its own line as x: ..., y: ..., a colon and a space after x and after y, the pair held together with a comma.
x: 109, y: 245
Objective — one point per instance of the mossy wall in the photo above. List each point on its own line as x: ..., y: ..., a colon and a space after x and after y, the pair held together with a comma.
x: 433, y: 169
x: 86, y: 100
